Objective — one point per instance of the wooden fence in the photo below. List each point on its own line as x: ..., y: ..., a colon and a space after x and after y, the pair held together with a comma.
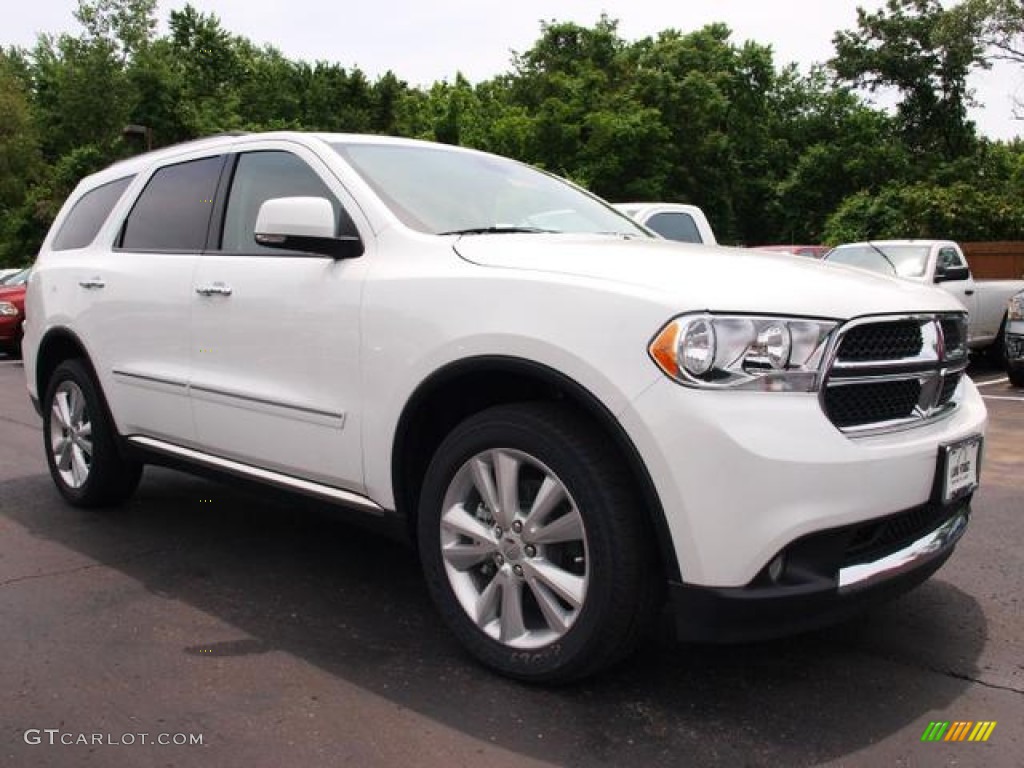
x: 996, y: 260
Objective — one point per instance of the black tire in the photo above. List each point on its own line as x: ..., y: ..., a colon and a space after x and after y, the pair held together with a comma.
x: 1016, y: 375
x: 624, y: 587
x: 997, y: 349
x: 109, y: 478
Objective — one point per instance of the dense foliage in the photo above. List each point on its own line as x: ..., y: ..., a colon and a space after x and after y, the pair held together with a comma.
x: 773, y: 154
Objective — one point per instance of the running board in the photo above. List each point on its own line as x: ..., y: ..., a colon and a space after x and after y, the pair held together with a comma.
x: 307, y: 487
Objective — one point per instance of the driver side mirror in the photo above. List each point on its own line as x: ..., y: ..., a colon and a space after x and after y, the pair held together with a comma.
x: 950, y: 274
x: 304, y: 224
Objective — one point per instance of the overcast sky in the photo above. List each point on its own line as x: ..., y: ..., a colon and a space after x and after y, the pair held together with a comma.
x: 427, y: 40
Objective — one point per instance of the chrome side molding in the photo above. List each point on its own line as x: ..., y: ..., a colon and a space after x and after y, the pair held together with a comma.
x: 299, y: 485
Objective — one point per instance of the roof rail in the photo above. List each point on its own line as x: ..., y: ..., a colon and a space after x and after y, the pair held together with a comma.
x: 222, y: 134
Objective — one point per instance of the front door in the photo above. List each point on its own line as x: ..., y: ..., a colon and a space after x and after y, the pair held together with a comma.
x: 276, y: 335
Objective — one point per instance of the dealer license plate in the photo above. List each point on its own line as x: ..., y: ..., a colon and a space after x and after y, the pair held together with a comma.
x: 960, y: 468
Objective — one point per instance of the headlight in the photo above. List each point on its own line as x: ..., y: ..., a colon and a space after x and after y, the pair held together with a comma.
x: 7, y: 309
x: 775, y: 354
x: 1015, y: 310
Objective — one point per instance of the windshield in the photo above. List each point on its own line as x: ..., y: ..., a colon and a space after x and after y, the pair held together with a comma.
x: 438, y: 190
x: 18, y: 278
x: 900, y: 260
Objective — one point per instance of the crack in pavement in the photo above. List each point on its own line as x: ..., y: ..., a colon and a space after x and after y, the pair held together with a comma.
x: 969, y: 679
x: 87, y: 567
x: 944, y: 671
x: 9, y: 420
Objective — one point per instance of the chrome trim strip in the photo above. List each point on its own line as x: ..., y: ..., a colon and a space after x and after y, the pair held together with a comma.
x: 265, y: 401
x: 154, y: 379
x: 919, y: 552
x: 307, y: 487
x: 899, y: 425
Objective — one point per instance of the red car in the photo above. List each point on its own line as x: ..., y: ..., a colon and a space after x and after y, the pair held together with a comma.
x: 810, y: 251
x: 12, y: 312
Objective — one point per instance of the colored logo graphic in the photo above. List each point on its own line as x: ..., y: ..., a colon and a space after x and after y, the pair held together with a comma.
x: 959, y: 730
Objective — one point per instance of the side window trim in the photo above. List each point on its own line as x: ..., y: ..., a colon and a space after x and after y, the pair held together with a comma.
x: 215, y: 231
x: 119, y: 240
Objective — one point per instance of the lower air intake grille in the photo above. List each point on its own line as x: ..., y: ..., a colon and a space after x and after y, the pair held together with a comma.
x: 857, y: 404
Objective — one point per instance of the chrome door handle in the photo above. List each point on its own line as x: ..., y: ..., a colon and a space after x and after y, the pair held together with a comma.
x: 969, y: 292
x: 92, y: 283
x: 214, y: 289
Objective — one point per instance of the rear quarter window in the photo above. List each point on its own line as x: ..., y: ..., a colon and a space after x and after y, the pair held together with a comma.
x: 83, y: 223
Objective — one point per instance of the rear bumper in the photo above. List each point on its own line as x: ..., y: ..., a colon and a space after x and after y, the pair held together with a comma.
x: 820, y: 582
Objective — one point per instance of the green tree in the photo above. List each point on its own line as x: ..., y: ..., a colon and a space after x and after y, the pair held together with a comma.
x: 129, y: 24
x: 840, y: 147
x: 20, y: 163
x: 926, y: 53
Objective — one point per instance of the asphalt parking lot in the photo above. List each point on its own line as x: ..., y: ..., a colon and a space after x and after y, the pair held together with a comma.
x: 285, y: 637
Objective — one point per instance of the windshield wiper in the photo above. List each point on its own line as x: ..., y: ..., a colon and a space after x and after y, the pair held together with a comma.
x: 885, y: 256
x: 497, y: 231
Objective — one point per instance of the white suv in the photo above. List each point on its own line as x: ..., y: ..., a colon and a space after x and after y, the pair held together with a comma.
x: 571, y: 417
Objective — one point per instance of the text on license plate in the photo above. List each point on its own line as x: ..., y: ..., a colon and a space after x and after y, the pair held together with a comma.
x: 961, y: 468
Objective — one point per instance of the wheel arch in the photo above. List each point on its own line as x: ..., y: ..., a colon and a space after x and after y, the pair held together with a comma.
x: 57, y: 345
x: 460, y: 389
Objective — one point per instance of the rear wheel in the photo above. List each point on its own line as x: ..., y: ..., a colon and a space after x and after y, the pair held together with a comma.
x: 534, y: 546
x: 80, y: 444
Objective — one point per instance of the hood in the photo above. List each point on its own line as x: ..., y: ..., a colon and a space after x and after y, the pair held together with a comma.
x: 696, y: 277
x: 10, y: 292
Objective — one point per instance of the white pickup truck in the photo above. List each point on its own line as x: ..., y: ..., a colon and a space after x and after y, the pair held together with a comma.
x: 673, y: 221
x: 943, y: 263
x: 572, y: 423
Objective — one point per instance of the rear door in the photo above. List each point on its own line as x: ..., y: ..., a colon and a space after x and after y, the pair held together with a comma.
x: 275, y: 334
x: 137, y: 327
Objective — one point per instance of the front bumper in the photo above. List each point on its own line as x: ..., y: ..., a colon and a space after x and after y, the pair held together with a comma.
x: 743, y: 475
x: 823, y: 581
x: 1014, y: 344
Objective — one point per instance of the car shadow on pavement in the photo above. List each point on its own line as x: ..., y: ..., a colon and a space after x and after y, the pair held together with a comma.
x: 293, y: 579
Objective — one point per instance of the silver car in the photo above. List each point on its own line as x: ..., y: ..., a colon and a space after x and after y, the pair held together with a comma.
x: 1014, y: 340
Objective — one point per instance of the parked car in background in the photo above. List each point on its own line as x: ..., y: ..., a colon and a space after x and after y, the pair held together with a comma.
x: 9, y: 272
x: 939, y: 262
x: 810, y: 251
x: 673, y: 221
x: 1014, y: 341
x: 12, y: 312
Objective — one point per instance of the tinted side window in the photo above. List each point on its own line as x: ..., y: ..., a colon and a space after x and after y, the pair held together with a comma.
x: 261, y: 176
x: 88, y: 214
x: 173, y: 211
x: 675, y: 226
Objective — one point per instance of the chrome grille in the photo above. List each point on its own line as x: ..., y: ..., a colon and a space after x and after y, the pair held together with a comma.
x: 881, y: 341
x: 894, y: 372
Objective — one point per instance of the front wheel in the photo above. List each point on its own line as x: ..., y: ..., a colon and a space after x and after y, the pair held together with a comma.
x: 534, y: 547
x: 79, y: 440
x: 1016, y: 376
